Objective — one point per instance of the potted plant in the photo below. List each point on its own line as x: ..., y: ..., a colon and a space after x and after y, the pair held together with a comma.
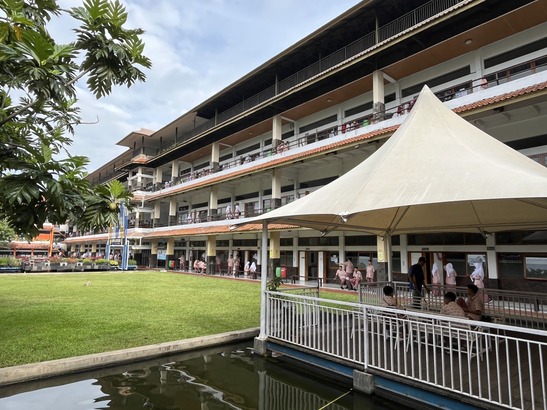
x: 54, y: 263
x: 131, y: 264
x: 102, y: 264
x: 10, y: 264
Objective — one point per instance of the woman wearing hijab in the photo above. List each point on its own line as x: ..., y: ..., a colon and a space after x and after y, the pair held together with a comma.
x: 450, y: 278
x: 435, y: 280
x: 478, y: 280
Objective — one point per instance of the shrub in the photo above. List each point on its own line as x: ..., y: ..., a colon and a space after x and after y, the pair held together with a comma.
x: 87, y: 261
x: 102, y: 261
x: 9, y: 261
x: 274, y: 283
x: 113, y: 263
x: 132, y: 262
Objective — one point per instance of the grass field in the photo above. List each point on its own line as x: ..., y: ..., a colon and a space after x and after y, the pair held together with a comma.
x: 51, y: 316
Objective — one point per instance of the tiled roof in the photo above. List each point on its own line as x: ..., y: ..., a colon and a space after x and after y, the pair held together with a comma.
x: 214, y: 230
x: 502, y: 97
x: 29, y: 245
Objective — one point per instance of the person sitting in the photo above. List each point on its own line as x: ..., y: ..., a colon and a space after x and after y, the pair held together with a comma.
x: 341, y: 275
x: 356, y: 279
x: 450, y: 307
x: 474, y: 305
x: 389, y: 297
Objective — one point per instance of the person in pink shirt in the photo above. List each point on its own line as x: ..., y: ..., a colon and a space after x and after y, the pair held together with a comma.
x: 356, y: 278
x: 370, y: 272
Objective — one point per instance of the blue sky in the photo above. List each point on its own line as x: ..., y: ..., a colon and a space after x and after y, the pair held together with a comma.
x: 197, y: 48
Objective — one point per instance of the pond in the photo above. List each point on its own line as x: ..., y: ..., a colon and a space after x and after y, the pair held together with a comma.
x: 227, y: 377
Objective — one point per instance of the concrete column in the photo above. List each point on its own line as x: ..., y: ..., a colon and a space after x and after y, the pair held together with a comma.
x: 493, y: 276
x: 276, y: 188
x: 275, y: 255
x: 170, y: 252
x: 215, y: 156
x: 157, y: 212
x: 94, y: 249
x: 404, y: 253
x: 139, y: 178
x: 276, y: 131
x: 174, y: 171
x: 213, y: 203
x: 173, y: 212
x: 158, y: 183
x: 211, y: 252
x: 378, y: 106
x: 153, y: 254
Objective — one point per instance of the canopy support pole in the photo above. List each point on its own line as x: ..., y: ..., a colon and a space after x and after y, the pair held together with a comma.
x: 389, y: 258
x: 263, y: 279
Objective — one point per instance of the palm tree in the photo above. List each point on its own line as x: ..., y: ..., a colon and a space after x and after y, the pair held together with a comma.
x: 103, y: 206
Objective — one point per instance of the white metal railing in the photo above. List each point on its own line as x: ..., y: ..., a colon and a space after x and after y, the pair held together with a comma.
x: 487, y: 362
x: 523, y: 309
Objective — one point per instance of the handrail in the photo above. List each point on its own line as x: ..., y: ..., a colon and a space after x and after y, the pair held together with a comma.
x: 469, y: 359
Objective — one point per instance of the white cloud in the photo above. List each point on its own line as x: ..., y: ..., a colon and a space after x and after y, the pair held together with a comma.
x: 197, y: 48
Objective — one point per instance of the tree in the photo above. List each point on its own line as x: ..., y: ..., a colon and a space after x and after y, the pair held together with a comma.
x: 7, y: 234
x: 103, y: 207
x: 38, y: 104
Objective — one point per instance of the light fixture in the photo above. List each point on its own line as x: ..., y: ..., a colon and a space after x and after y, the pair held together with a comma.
x: 344, y: 216
x: 468, y: 41
x: 323, y: 233
x: 329, y: 100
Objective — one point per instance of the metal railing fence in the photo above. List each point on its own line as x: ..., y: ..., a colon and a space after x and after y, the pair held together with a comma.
x: 487, y: 362
x: 522, y: 309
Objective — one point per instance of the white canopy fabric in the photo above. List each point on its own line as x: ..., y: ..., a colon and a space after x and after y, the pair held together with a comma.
x: 436, y: 173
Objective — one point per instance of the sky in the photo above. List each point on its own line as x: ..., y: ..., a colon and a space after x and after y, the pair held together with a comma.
x: 197, y: 48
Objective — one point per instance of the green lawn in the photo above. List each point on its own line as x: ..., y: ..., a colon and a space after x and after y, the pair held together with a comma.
x: 45, y: 316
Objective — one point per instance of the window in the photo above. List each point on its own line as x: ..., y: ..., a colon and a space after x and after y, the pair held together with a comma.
x: 536, y: 267
x: 442, y: 79
x: 515, y: 53
x: 318, y: 124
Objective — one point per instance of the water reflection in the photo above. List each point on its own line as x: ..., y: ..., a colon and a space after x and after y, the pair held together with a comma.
x: 222, y: 378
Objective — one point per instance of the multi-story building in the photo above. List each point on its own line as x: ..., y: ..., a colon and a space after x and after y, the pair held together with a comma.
x: 319, y: 108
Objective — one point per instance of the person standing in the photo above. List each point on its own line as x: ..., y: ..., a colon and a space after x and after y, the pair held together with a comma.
x: 182, y: 262
x: 450, y: 278
x: 477, y: 277
x: 236, y: 266
x: 246, y: 268
x: 217, y: 264
x: 416, y: 278
x: 348, y: 266
x: 370, y: 272
x: 435, y: 280
x: 252, y: 270
x: 230, y: 265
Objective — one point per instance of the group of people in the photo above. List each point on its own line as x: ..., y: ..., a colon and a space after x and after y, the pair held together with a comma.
x: 350, y: 276
x: 472, y: 308
x: 236, y: 212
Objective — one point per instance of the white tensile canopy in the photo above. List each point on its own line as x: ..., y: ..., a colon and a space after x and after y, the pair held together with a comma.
x: 436, y: 173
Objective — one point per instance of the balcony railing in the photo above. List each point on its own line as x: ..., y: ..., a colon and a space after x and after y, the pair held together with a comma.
x: 360, y: 120
x: 364, y: 44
